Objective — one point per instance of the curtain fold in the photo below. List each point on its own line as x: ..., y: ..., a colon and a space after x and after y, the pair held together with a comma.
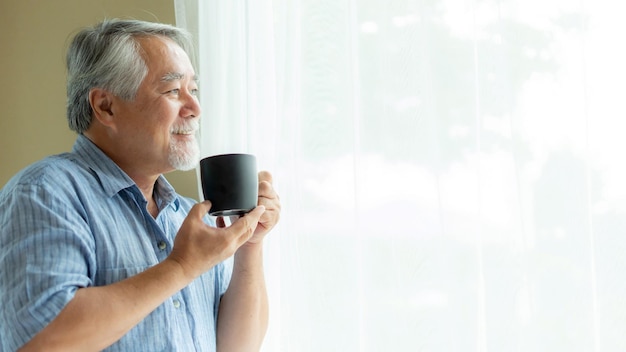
x: 451, y: 171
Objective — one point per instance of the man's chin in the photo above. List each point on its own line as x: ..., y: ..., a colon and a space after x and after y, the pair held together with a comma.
x: 184, y: 164
x: 186, y: 167
x: 184, y: 158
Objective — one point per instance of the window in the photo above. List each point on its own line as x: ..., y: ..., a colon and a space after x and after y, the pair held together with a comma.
x: 451, y: 171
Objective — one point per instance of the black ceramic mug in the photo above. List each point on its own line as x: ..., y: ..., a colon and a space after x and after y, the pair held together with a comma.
x: 230, y: 182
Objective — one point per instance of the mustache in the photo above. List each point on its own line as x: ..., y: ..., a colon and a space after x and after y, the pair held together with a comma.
x: 187, y: 127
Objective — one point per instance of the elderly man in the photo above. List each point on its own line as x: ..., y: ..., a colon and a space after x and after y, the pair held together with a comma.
x: 97, y: 250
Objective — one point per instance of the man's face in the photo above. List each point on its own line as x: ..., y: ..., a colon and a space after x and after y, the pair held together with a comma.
x: 158, y: 127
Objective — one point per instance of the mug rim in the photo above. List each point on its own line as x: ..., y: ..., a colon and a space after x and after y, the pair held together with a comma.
x: 228, y: 154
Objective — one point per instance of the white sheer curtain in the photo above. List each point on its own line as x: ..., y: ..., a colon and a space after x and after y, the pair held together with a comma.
x: 451, y: 171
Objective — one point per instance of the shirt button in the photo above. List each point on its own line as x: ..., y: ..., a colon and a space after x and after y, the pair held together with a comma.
x: 162, y: 245
x: 176, y: 303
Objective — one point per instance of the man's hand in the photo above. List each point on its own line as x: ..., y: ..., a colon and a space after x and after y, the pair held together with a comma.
x: 271, y: 201
x: 198, y: 247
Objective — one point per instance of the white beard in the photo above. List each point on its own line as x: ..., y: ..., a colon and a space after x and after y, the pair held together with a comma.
x: 184, y: 155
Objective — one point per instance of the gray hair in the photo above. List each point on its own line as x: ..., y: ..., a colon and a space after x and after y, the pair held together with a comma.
x: 108, y: 56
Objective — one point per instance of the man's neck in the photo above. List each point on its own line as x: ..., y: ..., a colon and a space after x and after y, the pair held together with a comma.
x: 147, y: 189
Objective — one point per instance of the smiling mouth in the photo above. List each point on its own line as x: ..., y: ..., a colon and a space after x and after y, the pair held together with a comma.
x: 184, y: 132
x: 185, y: 129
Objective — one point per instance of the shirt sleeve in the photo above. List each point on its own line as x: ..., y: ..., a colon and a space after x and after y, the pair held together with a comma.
x: 46, y: 254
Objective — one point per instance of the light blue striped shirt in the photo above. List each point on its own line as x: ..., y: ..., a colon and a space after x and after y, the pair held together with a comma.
x: 75, y: 220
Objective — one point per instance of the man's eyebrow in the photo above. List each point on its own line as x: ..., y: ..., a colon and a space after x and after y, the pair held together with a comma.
x: 176, y: 76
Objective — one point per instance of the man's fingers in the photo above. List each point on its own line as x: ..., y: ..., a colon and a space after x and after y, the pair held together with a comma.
x: 265, y: 176
x: 266, y: 190
x: 246, y: 225
x: 268, y: 198
x: 271, y: 200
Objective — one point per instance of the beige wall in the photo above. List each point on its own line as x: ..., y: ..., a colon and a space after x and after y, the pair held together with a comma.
x: 33, y: 37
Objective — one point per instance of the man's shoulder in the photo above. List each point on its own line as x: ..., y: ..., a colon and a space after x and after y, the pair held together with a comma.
x: 52, y: 171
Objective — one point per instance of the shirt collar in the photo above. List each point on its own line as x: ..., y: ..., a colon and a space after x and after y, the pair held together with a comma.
x: 167, y: 194
x: 113, y: 179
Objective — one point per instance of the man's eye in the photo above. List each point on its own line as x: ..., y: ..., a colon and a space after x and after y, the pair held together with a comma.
x: 194, y: 92
x: 174, y: 91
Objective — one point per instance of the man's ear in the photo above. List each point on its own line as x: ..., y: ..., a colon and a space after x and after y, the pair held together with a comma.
x: 101, y: 102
